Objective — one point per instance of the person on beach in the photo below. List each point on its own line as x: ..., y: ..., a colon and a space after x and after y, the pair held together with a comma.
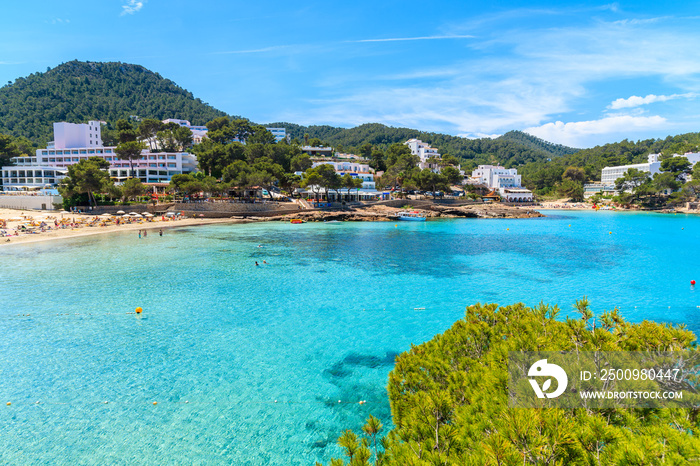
x: 139, y: 234
x: 145, y: 233
x: 160, y: 233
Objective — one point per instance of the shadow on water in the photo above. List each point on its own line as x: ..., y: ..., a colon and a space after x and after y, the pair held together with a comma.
x: 349, y: 389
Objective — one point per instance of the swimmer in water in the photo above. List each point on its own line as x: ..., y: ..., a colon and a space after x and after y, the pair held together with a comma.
x: 264, y: 262
x: 256, y: 263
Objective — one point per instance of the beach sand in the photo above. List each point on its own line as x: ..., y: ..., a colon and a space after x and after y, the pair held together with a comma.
x: 15, y: 218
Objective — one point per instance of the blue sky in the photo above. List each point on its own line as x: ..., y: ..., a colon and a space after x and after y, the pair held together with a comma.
x: 579, y: 74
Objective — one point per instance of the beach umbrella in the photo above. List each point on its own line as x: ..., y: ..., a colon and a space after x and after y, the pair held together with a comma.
x: 145, y: 213
x: 137, y: 215
x: 120, y: 212
x: 148, y: 215
x: 106, y: 215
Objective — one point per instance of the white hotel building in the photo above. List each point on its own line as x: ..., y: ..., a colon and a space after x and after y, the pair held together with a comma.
x: 200, y: 132
x: 355, y: 169
x: 504, y: 180
x: 424, y: 152
x: 75, y: 142
x: 609, y: 175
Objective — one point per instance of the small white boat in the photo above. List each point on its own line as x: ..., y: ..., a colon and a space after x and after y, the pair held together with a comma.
x: 411, y: 216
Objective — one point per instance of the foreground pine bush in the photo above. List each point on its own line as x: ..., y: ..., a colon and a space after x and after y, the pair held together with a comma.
x: 449, y: 398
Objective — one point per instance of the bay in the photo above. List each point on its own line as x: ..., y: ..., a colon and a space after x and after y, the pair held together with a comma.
x: 267, y: 364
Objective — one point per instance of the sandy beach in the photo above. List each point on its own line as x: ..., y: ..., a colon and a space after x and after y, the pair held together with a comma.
x: 78, y: 225
x: 563, y: 204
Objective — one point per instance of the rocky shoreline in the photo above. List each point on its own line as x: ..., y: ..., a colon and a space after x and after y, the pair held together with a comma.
x: 380, y: 213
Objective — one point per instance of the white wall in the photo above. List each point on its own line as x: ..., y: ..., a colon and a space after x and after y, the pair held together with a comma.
x: 28, y: 202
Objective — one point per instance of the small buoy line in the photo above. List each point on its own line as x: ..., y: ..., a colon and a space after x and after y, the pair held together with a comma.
x: 138, y: 310
x: 182, y: 402
x: 79, y: 314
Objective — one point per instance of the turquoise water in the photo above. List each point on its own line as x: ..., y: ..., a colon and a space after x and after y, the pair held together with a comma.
x: 266, y: 365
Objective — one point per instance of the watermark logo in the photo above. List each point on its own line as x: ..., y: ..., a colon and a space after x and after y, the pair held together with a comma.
x: 542, y: 369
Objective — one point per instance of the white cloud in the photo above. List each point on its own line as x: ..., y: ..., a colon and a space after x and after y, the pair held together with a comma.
x: 575, y: 134
x: 397, y: 39
x: 131, y: 7
x: 522, y: 77
x: 636, y: 101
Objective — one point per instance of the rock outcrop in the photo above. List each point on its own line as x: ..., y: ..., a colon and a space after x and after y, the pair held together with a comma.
x: 380, y: 213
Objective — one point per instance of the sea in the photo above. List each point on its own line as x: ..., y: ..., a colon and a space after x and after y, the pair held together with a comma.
x: 236, y: 363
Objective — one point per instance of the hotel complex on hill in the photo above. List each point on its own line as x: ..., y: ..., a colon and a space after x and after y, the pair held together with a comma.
x: 609, y: 175
x: 74, y: 142
x: 505, y: 181
x: 424, y: 153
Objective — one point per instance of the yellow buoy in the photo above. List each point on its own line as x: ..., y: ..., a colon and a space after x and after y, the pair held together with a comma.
x: 155, y: 403
x: 507, y: 229
x: 610, y: 232
x: 8, y: 403
x: 139, y: 310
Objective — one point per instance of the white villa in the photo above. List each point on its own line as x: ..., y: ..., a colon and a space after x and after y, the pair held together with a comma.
x: 424, y: 152
x: 504, y: 180
x: 75, y: 142
x: 317, y: 151
x: 355, y: 169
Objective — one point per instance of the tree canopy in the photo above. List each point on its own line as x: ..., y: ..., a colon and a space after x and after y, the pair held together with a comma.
x: 89, y: 176
x: 80, y: 91
x: 449, y: 397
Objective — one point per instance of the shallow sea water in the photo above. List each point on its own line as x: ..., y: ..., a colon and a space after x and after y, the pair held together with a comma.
x: 266, y: 365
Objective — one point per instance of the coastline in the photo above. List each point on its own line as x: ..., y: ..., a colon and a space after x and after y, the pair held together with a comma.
x: 84, y: 230
x: 375, y: 213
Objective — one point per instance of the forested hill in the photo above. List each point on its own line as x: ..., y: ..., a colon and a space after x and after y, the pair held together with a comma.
x: 534, y: 142
x: 80, y: 91
x: 543, y: 177
x: 509, y: 151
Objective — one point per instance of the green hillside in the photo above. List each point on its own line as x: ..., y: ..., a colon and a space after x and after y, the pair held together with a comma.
x: 80, y: 91
x: 509, y: 151
x: 534, y: 142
